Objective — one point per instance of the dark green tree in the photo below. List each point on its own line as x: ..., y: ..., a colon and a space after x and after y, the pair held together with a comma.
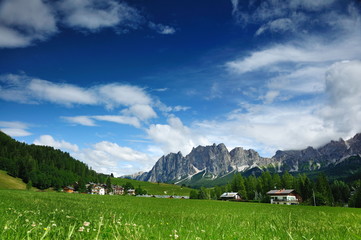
x: 109, y: 185
x: 29, y: 185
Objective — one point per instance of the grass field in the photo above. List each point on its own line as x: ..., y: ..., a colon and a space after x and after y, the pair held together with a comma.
x: 50, y: 215
x: 8, y: 182
x: 155, y: 188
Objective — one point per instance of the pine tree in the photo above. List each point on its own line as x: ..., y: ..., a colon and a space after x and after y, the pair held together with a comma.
x: 29, y: 185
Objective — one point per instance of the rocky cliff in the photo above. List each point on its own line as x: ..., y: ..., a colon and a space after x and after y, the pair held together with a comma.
x: 216, y: 161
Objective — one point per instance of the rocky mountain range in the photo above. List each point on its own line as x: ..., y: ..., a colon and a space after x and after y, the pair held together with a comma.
x: 215, y: 161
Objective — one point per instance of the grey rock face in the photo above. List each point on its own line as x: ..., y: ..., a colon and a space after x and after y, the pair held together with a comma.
x: 217, y: 161
x: 333, y: 152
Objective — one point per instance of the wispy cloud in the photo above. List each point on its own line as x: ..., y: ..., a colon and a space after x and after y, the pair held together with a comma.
x: 93, y: 15
x: 23, y: 22
x: 162, y: 29
x: 14, y: 128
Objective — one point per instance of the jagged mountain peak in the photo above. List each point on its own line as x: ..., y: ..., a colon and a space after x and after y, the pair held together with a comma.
x: 216, y: 161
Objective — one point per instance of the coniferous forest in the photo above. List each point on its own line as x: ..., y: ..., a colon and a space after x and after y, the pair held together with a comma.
x: 43, y: 166
x: 319, y: 191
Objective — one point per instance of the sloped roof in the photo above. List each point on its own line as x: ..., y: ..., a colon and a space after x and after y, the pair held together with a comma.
x: 229, y: 194
x: 281, y: 192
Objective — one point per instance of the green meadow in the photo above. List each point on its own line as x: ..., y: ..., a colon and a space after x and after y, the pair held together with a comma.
x: 155, y: 188
x: 52, y: 215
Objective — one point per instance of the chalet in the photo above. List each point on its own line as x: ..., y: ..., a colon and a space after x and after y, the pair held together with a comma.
x: 233, y: 196
x: 68, y: 189
x: 131, y: 192
x: 118, y: 190
x: 98, y: 189
x: 284, y: 196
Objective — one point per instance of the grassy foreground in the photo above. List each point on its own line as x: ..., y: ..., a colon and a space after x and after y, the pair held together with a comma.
x: 50, y: 215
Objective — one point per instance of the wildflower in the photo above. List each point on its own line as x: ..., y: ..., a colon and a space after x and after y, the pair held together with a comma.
x: 45, y: 229
x: 86, y: 224
x: 81, y: 229
x: 53, y: 225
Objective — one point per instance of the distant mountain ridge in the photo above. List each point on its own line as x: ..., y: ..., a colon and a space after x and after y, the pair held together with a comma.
x: 215, y: 161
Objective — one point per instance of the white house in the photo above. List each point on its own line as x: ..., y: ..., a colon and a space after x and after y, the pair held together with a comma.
x: 230, y: 196
x: 284, y: 196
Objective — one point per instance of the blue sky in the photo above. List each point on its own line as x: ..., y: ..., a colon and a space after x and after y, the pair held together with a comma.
x: 120, y: 83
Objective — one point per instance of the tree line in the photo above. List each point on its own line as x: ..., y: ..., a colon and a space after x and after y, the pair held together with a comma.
x: 313, y: 192
x: 42, y: 166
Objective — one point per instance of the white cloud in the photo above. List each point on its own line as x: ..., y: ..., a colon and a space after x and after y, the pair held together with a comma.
x: 343, y: 89
x: 306, y: 52
x: 278, y: 25
x: 82, y: 120
x: 93, y: 15
x: 141, y: 111
x: 174, y: 136
x: 61, y: 93
x: 22, y: 22
x: 47, y: 140
x: 14, y: 129
x: 119, y: 119
x: 162, y: 29
x: 114, y: 95
x: 10, y: 38
x: 135, y: 101
x: 108, y: 157
x: 15, y: 132
x: 181, y: 108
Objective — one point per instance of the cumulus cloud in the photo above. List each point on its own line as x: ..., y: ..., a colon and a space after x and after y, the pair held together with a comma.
x: 174, y: 136
x: 47, y: 140
x: 22, y: 22
x: 93, y: 15
x: 343, y: 89
x: 108, y: 157
x: 162, y: 29
x: 14, y: 129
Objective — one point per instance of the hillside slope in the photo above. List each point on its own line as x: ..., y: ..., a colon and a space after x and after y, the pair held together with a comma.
x: 9, y: 182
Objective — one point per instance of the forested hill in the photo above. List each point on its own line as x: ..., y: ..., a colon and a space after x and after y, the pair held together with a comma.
x: 44, y: 166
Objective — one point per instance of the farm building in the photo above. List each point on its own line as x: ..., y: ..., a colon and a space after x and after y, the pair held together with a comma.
x: 234, y: 196
x: 118, y: 190
x: 284, y: 196
x: 98, y: 189
x: 131, y: 191
x: 68, y: 189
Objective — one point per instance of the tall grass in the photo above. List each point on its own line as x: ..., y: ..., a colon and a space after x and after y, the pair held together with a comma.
x: 33, y: 215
